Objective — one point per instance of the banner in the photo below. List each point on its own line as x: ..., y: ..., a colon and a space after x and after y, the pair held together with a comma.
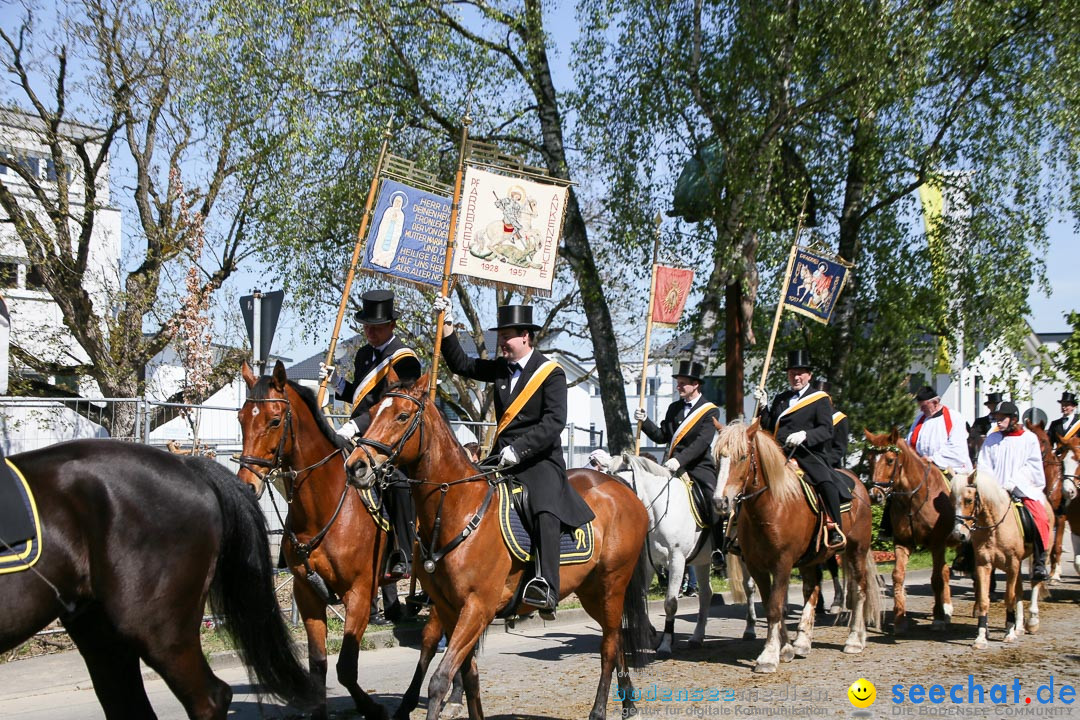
x: 508, y: 230
x: 671, y: 287
x: 933, y: 203
x: 814, y: 284
x: 407, y: 237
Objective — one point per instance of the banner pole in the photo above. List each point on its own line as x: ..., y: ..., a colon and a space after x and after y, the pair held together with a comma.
x: 360, y: 236
x: 433, y: 377
x: 648, y: 332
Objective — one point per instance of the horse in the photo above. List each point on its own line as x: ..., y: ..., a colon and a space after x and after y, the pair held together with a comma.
x: 776, y: 531
x: 132, y: 541
x: 1060, y: 490
x: 467, y: 570
x: 984, y: 516
x: 1070, y: 459
x: 921, y: 514
x: 675, y: 541
x: 332, y: 542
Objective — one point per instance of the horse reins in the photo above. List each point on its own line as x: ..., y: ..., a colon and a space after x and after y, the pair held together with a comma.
x: 973, y: 518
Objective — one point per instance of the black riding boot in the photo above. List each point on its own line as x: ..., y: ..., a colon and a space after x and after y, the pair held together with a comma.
x: 543, y: 590
x: 1038, y: 559
x: 886, y: 518
x: 719, y: 562
x: 831, y: 497
x: 403, y: 518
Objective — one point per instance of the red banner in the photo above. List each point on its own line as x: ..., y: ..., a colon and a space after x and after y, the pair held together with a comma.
x: 671, y: 287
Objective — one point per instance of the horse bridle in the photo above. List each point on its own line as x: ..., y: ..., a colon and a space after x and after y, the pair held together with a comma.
x: 251, y: 462
x: 969, y: 521
x: 385, y: 469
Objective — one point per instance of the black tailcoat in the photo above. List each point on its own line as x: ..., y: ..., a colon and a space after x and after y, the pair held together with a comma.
x: 407, y: 369
x: 814, y: 454
x: 693, y: 448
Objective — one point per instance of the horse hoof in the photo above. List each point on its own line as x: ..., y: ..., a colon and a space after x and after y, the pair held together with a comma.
x: 835, y: 610
x: 1010, y: 637
x: 802, y: 651
x: 663, y: 653
x: 763, y: 667
x: 853, y: 648
x: 901, y: 627
x: 1032, y: 626
x: 694, y: 643
x: 453, y: 710
x: 787, y: 654
x: 939, y: 625
x: 749, y: 635
x: 981, y: 644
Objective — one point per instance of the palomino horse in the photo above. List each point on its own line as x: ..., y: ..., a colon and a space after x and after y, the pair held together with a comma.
x: 132, y: 540
x: 1060, y: 490
x: 1070, y: 459
x: 467, y: 570
x: 332, y: 542
x: 921, y: 514
x: 985, y: 516
x: 674, y: 540
x: 777, y: 531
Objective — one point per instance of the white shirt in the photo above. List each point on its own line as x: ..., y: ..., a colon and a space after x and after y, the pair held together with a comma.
x: 798, y: 396
x: 514, y: 376
x: 945, y: 449
x: 1016, y: 461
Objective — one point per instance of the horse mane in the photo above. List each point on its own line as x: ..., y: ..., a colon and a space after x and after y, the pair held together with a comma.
x: 1040, y: 434
x: 985, y: 484
x: 911, y: 459
x: 261, y: 391
x: 645, y: 465
x: 733, y: 442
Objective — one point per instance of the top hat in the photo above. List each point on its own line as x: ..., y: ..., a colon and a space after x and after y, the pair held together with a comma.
x: 925, y: 393
x: 1007, y: 408
x: 515, y: 316
x: 378, y: 308
x: 992, y: 399
x: 1067, y: 398
x: 822, y: 385
x: 689, y: 369
x: 798, y: 359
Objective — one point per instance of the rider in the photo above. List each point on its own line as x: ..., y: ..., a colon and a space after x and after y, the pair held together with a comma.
x: 370, y: 368
x: 939, y: 435
x: 688, y: 430
x: 983, y: 424
x: 1013, y: 455
x: 1068, y: 425
x: 841, y: 429
x: 530, y: 408
x: 803, y: 420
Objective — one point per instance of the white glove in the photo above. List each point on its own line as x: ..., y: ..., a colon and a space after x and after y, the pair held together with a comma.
x: 325, y: 371
x: 672, y: 464
x: 348, y: 430
x: 442, y: 304
x: 796, y: 438
x: 507, y: 458
x: 761, y: 396
x: 335, y: 381
x: 640, y: 415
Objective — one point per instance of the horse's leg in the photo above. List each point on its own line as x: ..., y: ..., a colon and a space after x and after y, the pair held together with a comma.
x: 676, y: 570
x: 604, y: 603
x: 982, y: 600
x: 1076, y: 548
x: 1032, y: 623
x: 650, y: 573
x: 1014, y: 603
x: 939, y: 581
x: 1055, y: 552
x: 750, y: 631
x: 705, y: 594
x: 811, y: 591
x: 469, y: 679
x: 857, y: 570
x: 357, y: 613
x: 837, y: 605
x: 775, y: 595
x: 313, y: 614
x: 900, y: 618
x: 429, y: 640
x: 471, y: 622
x: 113, y: 663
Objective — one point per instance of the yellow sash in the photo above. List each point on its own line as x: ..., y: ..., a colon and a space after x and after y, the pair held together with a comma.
x: 837, y: 417
x: 523, y: 397
x: 687, y: 425
x: 1072, y: 430
x: 811, y: 398
x: 377, y: 374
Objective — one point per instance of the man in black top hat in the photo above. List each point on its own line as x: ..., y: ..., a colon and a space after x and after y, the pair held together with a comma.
x: 802, y: 419
x: 1066, y: 426
x: 688, y: 430
x: 983, y: 424
x: 370, y: 368
x: 530, y: 408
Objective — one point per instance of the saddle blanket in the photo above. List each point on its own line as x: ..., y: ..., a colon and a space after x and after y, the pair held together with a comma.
x: 1031, y: 518
x: 698, y: 507
x: 20, y: 532
x: 574, y: 547
x: 812, y: 499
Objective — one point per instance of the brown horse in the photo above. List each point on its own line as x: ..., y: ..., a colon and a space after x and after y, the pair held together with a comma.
x: 1059, y: 490
x: 984, y: 515
x: 921, y: 514
x: 1070, y: 457
x: 466, y: 568
x: 777, y: 531
x: 332, y: 543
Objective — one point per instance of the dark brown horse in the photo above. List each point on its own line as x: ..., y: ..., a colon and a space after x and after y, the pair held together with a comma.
x: 133, y: 540
x: 1059, y: 490
x: 466, y: 568
x: 776, y: 530
x: 921, y: 513
x: 332, y: 542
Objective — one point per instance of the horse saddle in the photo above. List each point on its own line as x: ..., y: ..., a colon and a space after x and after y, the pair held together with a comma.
x: 575, y: 545
x: 20, y: 525
x: 1025, y: 522
x: 700, y: 506
x: 812, y: 499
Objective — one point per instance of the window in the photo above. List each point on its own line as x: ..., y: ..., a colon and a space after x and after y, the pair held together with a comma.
x: 50, y: 171
x: 9, y: 275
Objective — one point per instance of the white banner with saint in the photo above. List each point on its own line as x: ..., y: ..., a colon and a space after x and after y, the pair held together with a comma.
x: 508, y: 230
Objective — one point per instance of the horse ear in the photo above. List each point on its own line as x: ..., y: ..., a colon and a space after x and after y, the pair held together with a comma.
x: 894, y: 435
x: 753, y: 427
x: 719, y: 425
x: 248, y: 375
x: 279, y: 378
x: 420, y: 387
x: 391, y: 376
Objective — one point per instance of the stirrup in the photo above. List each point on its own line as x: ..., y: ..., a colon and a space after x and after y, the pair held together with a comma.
x: 843, y: 537
x: 537, y: 593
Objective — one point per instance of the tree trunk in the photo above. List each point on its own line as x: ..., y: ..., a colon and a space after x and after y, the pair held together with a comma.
x: 733, y: 351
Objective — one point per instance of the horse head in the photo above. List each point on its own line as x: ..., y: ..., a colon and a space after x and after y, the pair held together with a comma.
x: 884, y: 459
x: 979, y: 502
x: 265, y: 422
x: 731, y: 453
x: 1070, y: 466
x: 392, y: 438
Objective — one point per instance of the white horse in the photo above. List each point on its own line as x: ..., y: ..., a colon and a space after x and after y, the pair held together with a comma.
x: 984, y: 515
x: 673, y: 537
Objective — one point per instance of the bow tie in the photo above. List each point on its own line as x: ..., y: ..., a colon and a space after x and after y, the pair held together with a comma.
x: 514, y: 367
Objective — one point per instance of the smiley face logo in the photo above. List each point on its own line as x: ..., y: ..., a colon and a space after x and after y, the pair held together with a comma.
x: 862, y: 693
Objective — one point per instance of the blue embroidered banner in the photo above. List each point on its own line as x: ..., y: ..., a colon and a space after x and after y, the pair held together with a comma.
x: 815, y: 283
x: 408, y: 234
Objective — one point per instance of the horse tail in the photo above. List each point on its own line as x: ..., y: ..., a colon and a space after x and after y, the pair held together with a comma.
x: 736, y: 580
x: 873, y: 608
x: 242, y: 591
x: 635, y: 627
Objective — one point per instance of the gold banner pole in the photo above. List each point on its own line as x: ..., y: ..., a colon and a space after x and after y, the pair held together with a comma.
x: 433, y: 377
x: 648, y: 333
x: 360, y: 235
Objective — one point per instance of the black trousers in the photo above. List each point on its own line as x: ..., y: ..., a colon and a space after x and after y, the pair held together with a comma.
x: 821, y: 476
x: 399, y: 506
x: 548, y: 528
